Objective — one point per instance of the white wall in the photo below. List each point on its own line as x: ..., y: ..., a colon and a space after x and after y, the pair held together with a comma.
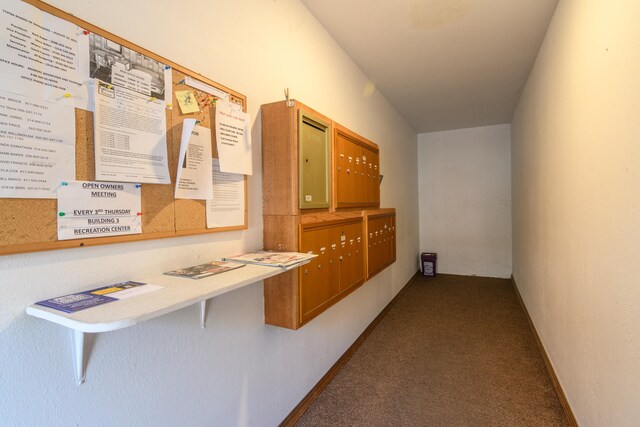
x: 237, y: 371
x: 576, y: 205
x: 465, y: 199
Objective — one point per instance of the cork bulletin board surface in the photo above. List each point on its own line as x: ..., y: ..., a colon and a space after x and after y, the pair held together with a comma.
x: 30, y: 225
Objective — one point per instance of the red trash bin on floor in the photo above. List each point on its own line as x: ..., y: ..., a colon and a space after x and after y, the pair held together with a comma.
x: 428, y: 261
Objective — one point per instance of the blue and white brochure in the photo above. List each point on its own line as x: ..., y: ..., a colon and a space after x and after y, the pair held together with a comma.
x: 76, y: 302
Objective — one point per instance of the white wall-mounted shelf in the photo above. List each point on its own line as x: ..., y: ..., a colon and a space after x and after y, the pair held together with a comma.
x: 176, y: 293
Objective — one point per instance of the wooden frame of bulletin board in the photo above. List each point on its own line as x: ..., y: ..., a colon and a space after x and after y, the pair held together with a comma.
x: 30, y: 225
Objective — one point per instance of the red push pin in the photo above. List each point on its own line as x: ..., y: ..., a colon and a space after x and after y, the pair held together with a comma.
x: 85, y: 32
x: 139, y: 213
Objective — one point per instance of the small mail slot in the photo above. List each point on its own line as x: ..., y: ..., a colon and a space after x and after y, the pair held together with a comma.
x: 313, y: 160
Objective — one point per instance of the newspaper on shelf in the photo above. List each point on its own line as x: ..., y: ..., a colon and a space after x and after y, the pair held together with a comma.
x: 284, y: 260
x: 204, y: 270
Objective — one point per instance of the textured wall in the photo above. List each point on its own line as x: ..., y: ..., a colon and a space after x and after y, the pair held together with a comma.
x: 465, y: 199
x: 576, y: 205
x: 237, y: 371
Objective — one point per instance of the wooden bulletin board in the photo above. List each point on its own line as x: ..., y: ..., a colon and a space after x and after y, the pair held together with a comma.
x: 29, y: 225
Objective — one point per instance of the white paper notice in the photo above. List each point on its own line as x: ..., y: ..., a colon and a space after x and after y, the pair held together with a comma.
x: 130, y: 135
x: 193, y: 180
x: 134, y: 291
x: 226, y: 209
x: 40, y: 56
x: 136, y: 80
x: 233, y: 137
x: 23, y: 117
x: 37, y: 146
x: 97, y: 209
x: 31, y: 169
x: 197, y: 84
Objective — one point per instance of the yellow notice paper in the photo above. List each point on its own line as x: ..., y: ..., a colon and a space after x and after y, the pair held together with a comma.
x: 187, y: 101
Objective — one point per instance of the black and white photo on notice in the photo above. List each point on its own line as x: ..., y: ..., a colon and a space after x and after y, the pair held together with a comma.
x: 118, y: 65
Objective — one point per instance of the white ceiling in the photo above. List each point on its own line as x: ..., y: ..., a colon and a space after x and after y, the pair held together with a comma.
x: 443, y: 64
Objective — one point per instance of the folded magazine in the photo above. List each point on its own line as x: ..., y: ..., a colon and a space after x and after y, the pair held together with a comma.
x: 204, y: 270
x: 284, y: 260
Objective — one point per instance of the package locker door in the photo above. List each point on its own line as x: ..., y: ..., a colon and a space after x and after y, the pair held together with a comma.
x: 313, y: 162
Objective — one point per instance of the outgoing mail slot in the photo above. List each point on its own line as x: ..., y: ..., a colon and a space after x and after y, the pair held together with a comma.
x: 313, y: 161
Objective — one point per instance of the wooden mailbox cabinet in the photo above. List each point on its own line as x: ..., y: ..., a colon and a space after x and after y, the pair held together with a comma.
x: 338, y: 269
x: 381, y: 240
x: 356, y: 170
x: 297, y: 296
x: 299, y: 146
x: 285, y: 172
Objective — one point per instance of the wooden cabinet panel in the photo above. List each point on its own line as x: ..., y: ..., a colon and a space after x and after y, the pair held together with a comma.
x: 359, y: 194
x: 347, y: 188
x: 310, y: 298
x: 340, y: 159
x: 333, y: 267
x: 309, y: 293
x: 393, y: 239
x: 319, y: 283
x: 279, y: 159
x: 373, y: 178
x: 352, y: 265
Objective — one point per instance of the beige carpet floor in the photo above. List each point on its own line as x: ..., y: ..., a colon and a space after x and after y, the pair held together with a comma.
x: 452, y: 351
